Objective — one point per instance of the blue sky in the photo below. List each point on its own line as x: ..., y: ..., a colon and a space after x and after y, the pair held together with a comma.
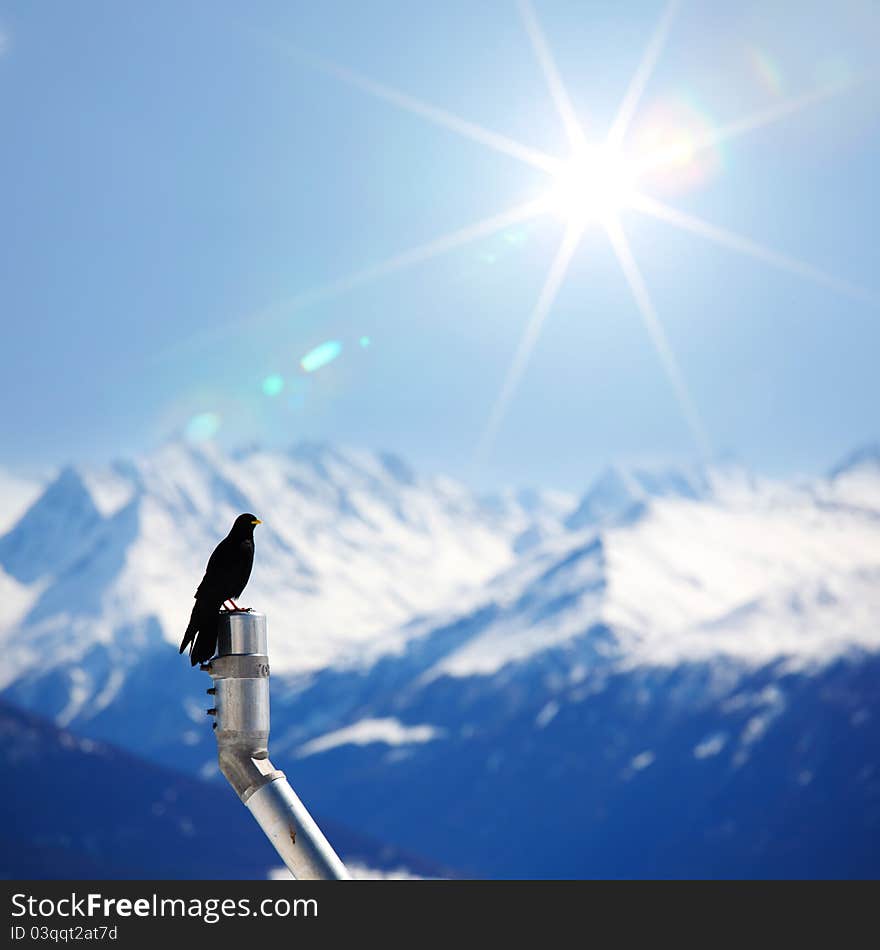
x: 177, y: 179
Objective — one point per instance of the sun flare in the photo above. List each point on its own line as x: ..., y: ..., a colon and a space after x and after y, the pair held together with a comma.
x: 669, y: 145
x: 594, y: 186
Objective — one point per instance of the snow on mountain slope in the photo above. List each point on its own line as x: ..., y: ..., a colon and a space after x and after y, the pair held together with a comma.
x: 753, y: 575
x: 387, y: 731
x: 359, y: 559
x: 352, y: 546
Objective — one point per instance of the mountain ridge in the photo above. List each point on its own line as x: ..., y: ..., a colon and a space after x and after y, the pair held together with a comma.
x: 714, y: 625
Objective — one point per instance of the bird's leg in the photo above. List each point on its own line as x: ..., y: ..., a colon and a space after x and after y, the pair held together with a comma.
x: 234, y: 604
x: 226, y: 609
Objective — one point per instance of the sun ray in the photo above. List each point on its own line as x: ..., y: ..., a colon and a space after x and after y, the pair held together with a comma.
x: 558, y: 92
x: 342, y: 285
x: 527, y: 342
x: 431, y: 113
x: 750, y: 123
x: 652, y: 323
x: 583, y: 180
x: 641, y: 77
x: 743, y: 245
x: 422, y: 252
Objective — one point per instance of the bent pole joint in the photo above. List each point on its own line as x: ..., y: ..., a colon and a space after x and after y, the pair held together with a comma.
x: 240, y: 672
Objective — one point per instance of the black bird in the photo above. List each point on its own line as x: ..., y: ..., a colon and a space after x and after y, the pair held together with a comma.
x: 226, y: 575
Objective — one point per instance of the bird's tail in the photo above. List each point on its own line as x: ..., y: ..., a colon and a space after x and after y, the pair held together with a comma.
x: 191, y: 630
x: 201, y: 633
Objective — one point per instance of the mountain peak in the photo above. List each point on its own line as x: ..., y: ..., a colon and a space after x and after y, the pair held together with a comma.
x: 613, y: 496
x: 621, y: 494
x: 50, y: 532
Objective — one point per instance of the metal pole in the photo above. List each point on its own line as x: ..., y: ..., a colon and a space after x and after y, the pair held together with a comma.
x: 241, y: 706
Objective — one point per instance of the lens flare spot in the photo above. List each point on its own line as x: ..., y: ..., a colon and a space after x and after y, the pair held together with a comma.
x: 273, y: 385
x: 365, y: 341
x: 766, y: 70
x: 321, y: 355
x: 203, y: 427
x: 673, y: 134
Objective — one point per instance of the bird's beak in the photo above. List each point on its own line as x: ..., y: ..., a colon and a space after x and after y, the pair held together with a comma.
x: 256, y: 521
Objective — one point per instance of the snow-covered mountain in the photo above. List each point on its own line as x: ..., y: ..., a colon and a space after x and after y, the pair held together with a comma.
x: 445, y: 664
x: 105, y: 562
x: 687, y: 690
x: 748, y: 570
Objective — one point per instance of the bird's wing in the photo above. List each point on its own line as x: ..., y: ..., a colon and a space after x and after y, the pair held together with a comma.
x: 213, y: 579
x: 244, y: 567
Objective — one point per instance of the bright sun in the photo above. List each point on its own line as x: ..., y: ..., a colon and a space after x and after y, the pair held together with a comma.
x: 594, y: 186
